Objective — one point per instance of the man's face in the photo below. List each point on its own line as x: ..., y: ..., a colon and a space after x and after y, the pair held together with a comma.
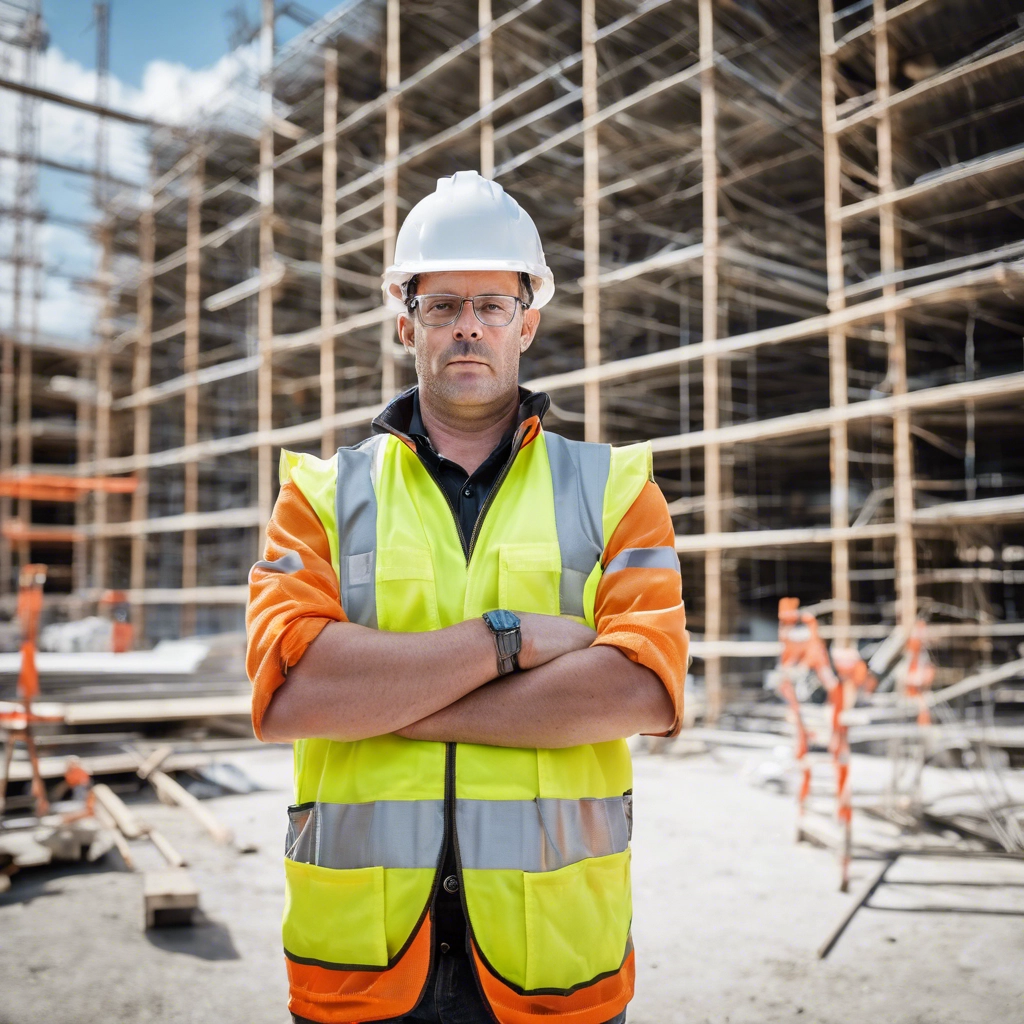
x: 469, y: 363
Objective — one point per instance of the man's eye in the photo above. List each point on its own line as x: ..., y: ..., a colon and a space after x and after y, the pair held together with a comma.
x: 440, y: 307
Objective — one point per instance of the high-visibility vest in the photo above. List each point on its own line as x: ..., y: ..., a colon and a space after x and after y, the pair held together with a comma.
x: 541, y: 836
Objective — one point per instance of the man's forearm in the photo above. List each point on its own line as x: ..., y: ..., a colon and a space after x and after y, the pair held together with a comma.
x: 588, y: 696
x: 354, y: 682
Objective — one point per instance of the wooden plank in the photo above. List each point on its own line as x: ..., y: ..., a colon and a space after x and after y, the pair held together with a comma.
x: 151, y: 763
x: 954, y: 75
x: 229, y: 518
x: 166, y: 850
x: 988, y: 389
x: 123, y: 818
x: 157, y: 710
x: 956, y: 174
x: 107, y: 764
x: 725, y: 541
x: 169, y: 897
x: 173, y: 792
x: 120, y: 843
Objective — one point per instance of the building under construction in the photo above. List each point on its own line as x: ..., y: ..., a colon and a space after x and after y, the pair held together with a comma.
x: 788, y: 244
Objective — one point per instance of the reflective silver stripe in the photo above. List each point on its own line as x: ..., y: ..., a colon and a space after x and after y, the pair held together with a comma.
x: 644, y: 558
x: 543, y: 834
x: 289, y: 562
x: 384, y: 833
x: 356, y: 506
x: 579, y: 475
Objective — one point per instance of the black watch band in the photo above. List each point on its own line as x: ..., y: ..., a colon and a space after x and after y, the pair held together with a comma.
x: 508, y: 639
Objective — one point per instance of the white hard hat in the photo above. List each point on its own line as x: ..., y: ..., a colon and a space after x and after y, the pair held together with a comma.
x: 468, y: 223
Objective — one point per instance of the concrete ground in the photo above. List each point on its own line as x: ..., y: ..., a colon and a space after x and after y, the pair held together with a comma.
x: 728, y: 914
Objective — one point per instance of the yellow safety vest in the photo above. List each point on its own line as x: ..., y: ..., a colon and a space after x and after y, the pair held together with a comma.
x: 542, y: 836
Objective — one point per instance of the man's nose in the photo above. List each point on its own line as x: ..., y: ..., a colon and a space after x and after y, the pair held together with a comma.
x: 467, y: 327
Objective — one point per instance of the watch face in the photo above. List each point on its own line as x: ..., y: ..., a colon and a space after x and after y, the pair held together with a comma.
x: 501, y: 620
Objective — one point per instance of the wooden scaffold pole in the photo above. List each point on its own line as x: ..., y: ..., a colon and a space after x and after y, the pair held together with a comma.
x: 486, y: 88
x: 265, y: 299
x: 392, y: 149
x: 328, y: 243
x: 895, y: 335
x: 712, y: 451
x: 141, y: 370
x: 24, y: 432
x: 101, y: 546
x: 591, y: 226
x: 839, y: 433
x: 193, y: 297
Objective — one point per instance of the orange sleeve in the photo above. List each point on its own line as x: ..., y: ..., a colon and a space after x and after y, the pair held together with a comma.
x: 288, y: 603
x: 640, y: 609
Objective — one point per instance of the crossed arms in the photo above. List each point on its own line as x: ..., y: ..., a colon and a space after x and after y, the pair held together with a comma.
x: 317, y: 676
x: 354, y: 682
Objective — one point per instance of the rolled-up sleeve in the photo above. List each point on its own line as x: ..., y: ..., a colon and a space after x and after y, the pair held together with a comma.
x: 293, y: 594
x: 639, y: 605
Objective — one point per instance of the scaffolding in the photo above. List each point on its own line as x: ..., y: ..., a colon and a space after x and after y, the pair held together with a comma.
x: 788, y: 248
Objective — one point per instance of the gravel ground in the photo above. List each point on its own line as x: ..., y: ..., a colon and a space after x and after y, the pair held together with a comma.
x: 728, y: 914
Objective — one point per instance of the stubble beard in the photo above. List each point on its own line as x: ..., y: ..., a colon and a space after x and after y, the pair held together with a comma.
x: 484, y: 391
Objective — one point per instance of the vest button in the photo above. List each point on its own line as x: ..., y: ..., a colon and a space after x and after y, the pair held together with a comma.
x: 468, y: 492
x: 445, y: 947
x: 451, y: 884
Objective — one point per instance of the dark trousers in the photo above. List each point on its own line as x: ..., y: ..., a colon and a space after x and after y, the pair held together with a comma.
x: 453, y: 998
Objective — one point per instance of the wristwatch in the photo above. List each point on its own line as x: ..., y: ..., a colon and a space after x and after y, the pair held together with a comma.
x: 508, y: 639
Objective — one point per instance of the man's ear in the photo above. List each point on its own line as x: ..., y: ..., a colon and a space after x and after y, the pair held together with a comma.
x: 531, y: 321
x: 407, y: 331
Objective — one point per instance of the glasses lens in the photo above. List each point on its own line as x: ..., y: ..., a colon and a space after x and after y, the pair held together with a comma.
x: 438, y: 310
x: 495, y: 310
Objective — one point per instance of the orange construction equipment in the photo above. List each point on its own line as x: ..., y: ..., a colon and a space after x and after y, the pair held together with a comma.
x: 804, y: 655
x: 51, y: 487
x: 918, y: 673
x: 19, y: 724
x: 122, y: 635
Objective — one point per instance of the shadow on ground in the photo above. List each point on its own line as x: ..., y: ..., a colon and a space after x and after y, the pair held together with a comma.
x: 204, y: 938
x: 31, y: 884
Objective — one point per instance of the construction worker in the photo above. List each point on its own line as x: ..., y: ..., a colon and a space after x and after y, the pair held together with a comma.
x: 457, y: 622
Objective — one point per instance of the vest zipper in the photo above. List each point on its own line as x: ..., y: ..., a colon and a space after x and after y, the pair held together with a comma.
x: 517, y: 445
x: 450, y: 833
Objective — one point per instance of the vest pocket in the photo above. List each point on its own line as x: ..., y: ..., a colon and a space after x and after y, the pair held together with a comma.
x: 335, y: 917
x: 577, y: 921
x: 528, y: 576
x: 406, y: 591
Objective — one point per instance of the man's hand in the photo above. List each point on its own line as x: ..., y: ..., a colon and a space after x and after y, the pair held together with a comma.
x: 546, y: 637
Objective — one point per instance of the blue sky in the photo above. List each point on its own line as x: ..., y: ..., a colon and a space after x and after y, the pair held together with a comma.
x: 190, y: 32
x: 168, y: 58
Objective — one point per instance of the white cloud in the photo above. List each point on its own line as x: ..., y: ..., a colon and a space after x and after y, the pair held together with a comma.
x: 170, y: 93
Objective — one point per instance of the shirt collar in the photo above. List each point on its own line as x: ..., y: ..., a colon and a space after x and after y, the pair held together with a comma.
x: 402, y: 414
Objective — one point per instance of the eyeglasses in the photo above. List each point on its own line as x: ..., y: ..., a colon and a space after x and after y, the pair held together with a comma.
x: 442, y: 310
